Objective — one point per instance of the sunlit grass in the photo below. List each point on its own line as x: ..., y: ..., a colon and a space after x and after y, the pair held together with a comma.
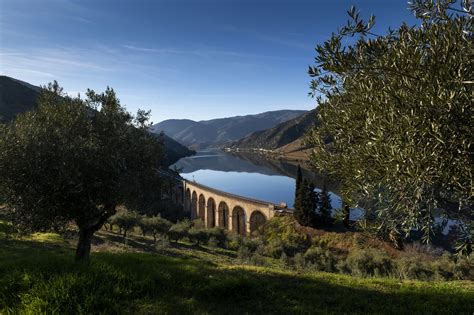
x: 39, y: 275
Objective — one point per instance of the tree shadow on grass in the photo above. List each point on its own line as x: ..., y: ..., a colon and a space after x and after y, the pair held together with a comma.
x: 144, y: 283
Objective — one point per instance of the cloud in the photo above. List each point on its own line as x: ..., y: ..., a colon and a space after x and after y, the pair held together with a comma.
x: 280, y: 40
x: 205, y: 53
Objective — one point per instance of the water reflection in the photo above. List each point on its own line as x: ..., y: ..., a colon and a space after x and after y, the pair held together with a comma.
x: 250, y: 175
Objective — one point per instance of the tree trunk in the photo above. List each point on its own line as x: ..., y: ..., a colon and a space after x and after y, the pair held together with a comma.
x: 87, y: 230
x: 84, y: 245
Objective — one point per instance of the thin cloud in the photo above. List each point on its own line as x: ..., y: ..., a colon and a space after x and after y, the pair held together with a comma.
x: 268, y: 38
x: 206, y: 53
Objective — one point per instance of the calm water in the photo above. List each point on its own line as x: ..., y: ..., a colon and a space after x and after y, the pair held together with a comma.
x: 253, y: 176
x: 247, y: 175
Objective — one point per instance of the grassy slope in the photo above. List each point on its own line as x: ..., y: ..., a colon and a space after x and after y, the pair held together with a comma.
x: 38, y: 274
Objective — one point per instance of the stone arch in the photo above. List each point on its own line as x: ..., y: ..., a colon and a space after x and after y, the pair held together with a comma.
x: 257, y: 219
x: 194, y: 205
x: 202, y: 207
x: 187, y: 201
x: 223, y: 216
x: 211, y: 213
x: 238, y: 221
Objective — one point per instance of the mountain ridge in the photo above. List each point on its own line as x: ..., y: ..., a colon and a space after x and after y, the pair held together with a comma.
x: 286, y: 138
x: 220, y: 131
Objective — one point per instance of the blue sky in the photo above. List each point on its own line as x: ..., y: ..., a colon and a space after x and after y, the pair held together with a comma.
x: 196, y: 59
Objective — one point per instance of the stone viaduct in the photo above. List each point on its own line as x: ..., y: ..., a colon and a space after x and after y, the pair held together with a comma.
x: 232, y: 212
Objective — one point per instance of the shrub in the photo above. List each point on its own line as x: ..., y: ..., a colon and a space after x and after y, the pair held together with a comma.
x: 179, y: 230
x: 234, y: 241
x: 413, y: 268
x: 155, y: 225
x: 213, y: 242
x: 464, y: 268
x: 219, y: 236
x: 369, y: 262
x: 198, y: 235
x: 321, y: 259
x: 125, y: 221
x: 162, y: 244
x: 285, y: 261
x: 275, y: 248
x: 282, y: 230
x: 244, y: 253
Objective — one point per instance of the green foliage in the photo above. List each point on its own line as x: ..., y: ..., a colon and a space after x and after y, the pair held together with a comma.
x: 76, y: 160
x: 306, y: 203
x: 179, y: 230
x: 319, y: 258
x: 280, y: 234
x: 37, y: 278
x: 369, y: 262
x: 219, y: 236
x: 156, y: 225
x: 324, y: 207
x: 125, y: 220
x: 397, y: 109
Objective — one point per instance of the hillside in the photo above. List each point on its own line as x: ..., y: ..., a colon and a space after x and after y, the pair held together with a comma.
x: 286, y: 137
x: 217, y: 132
x: 17, y: 96
x: 133, y: 276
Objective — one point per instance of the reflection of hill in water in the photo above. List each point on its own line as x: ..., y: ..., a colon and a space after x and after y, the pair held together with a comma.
x: 249, y: 163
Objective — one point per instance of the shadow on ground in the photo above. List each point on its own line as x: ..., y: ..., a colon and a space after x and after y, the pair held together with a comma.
x: 37, y: 277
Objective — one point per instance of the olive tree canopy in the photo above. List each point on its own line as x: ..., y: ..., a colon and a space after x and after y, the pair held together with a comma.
x: 397, y: 111
x: 74, y: 161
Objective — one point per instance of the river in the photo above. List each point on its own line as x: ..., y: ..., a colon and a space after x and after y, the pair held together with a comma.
x: 250, y: 175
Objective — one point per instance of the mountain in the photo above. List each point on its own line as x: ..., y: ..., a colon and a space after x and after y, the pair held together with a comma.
x: 218, y: 132
x: 286, y: 137
x: 17, y: 96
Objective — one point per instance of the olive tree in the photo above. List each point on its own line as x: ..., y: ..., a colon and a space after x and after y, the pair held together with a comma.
x: 396, y: 118
x: 74, y: 161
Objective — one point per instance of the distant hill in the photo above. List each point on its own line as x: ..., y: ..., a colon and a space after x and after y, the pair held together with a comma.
x: 217, y: 132
x: 17, y: 96
x: 286, y: 137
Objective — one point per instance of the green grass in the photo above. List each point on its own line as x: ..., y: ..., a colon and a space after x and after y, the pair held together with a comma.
x: 38, y: 275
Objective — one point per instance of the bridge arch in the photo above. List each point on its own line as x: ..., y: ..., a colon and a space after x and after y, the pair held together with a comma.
x: 238, y: 221
x: 239, y: 214
x: 194, y: 202
x: 201, y: 207
x: 257, y: 219
x: 211, y: 213
x: 223, y: 215
x: 187, y: 201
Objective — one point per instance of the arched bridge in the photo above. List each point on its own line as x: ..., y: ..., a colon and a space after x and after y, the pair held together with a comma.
x: 232, y: 212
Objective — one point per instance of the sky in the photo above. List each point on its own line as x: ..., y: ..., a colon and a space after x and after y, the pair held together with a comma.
x: 193, y: 59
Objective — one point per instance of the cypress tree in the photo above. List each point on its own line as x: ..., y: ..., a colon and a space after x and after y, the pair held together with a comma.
x: 298, y: 195
x: 325, y: 206
x: 306, y: 204
x: 299, y: 179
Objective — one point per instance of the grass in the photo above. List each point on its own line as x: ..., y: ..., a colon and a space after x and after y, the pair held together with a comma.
x: 38, y: 275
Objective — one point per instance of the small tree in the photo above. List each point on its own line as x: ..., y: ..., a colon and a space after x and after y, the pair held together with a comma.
x: 299, y: 179
x: 72, y: 160
x: 198, y: 235
x: 179, y: 230
x: 125, y: 221
x: 306, y: 205
x: 156, y: 225
x: 325, y: 206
